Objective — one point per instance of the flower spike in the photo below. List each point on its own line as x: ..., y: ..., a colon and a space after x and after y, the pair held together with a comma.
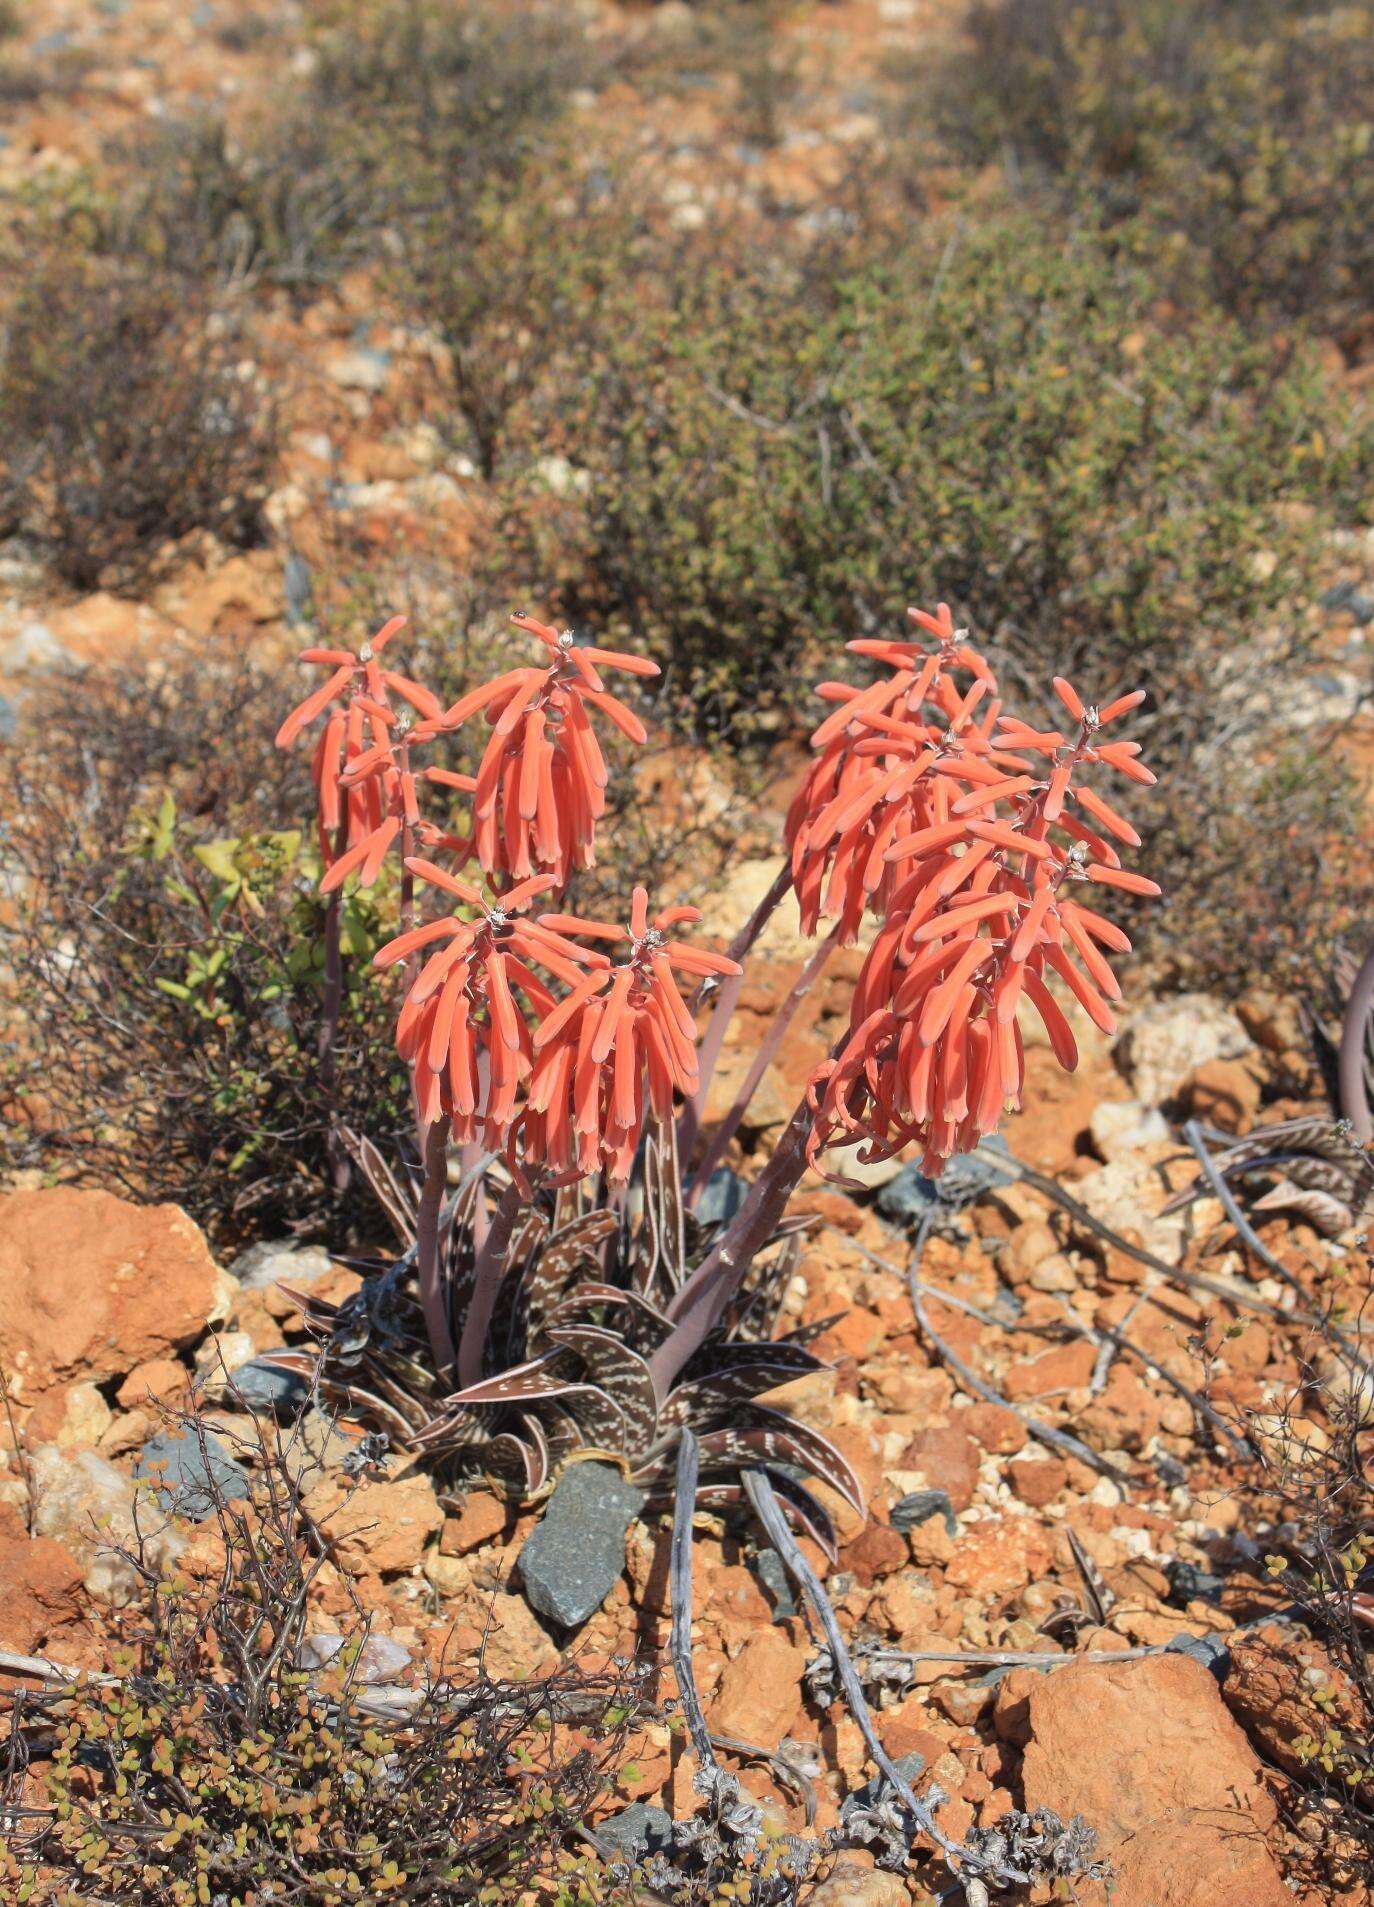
x: 541, y: 786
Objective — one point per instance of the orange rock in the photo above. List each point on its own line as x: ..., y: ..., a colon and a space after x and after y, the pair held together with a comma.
x: 1030, y: 1243
x: 857, y: 1334
x: 733, y: 1595
x: 381, y: 1528
x: 760, y: 1691
x: 1064, y: 1367
x: 40, y: 1581
x: 1128, y: 1412
x: 1038, y: 1480
x: 1225, y: 1092
x: 76, y: 1417
x: 906, y: 1730
x: 91, y: 1286
x: 947, y: 1457
x: 1000, y: 1431
x: 1146, y: 1752
x: 879, y: 1551
x: 995, y: 1559
x: 158, y: 1380
x: 855, y: 1882
x: 1270, y: 1687
x: 482, y: 1518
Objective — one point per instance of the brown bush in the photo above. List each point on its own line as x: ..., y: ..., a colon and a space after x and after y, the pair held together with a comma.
x: 125, y: 421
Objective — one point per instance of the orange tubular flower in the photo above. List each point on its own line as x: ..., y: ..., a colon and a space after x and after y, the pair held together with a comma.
x: 461, y: 1031
x: 388, y: 805
x: 618, y: 1047
x: 975, y: 914
x: 541, y: 785
x: 358, y: 694
x: 884, y: 769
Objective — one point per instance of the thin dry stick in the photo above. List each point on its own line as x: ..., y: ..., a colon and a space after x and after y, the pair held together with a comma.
x: 1043, y: 1433
x: 1190, y: 1280
x: 1012, y: 1658
x: 1107, y: 1351
x: 1046, y: 1433
x: 1113, y: 1338
x: 760, y: 1493
x: 680, y: 1584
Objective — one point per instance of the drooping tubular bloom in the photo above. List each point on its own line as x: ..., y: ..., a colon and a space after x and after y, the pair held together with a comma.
x: 619, y: 1047
x: 882, y: 753
x: 352, y: 810
x: 541, y: 785
x: 974, y: 899
x: 461, y: 1029
x: 389, y: 808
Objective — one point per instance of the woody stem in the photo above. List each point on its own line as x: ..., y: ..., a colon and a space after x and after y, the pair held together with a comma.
x: 488, y: 1274
x: 701, y: 1301
x: 331, y: 1007
x: 429, y: 1247
x: 763, y: 1058
x: 689, y: 1121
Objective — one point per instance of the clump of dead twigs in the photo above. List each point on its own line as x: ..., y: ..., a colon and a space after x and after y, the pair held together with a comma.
x: 240, y: 1755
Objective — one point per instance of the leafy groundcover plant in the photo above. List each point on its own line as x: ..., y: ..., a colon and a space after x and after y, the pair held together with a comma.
x: 561, y: 1289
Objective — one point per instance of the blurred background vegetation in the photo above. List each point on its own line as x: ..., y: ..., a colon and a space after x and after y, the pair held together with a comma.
x: 1079, y: 339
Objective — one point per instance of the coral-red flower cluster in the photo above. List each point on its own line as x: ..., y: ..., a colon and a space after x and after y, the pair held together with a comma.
x: 965, y: 832
x: 571, y: 1090
x: 620, y: 1045
x: 494, y: 1052
x: 364, y: 790
x: 541, y: 786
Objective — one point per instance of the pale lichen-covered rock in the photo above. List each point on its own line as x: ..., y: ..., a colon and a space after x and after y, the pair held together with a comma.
x: 84, y: 1503
x: 1165, y: 1042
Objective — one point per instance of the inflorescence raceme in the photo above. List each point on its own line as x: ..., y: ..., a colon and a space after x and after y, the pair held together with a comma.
x: 962, y: 838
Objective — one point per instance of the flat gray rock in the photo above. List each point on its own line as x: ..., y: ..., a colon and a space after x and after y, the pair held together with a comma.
x: 908, y: 1197
x: 263, y: 1387
x: 638, y: 1831
x: 182, y: 1474
x: 577, y: 1555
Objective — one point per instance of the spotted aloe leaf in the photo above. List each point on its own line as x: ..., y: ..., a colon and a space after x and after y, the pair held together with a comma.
x: 780, y: 1439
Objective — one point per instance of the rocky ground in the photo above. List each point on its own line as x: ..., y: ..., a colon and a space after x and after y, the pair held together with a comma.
x: 980, y: 1538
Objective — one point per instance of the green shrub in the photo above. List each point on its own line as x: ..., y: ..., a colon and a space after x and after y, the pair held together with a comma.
x: 777, y: 459
x: 164, y: 933
x: 1242, y: 129
x: 125, y: 421
x: 292, y: 202
x: 511, y: 279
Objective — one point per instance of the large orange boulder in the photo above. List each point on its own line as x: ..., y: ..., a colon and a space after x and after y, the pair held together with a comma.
x: 1146, y: 1752
x: 91, y: 1285
x: 40, y: 1584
